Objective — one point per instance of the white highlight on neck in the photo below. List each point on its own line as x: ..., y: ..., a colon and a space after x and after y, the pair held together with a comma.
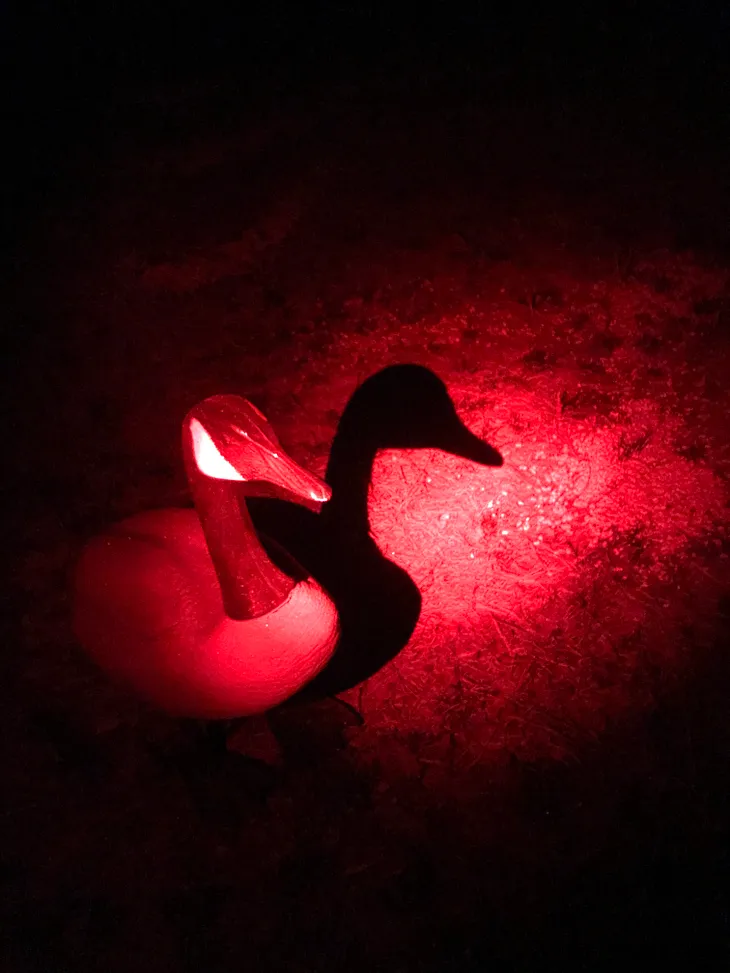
x: 208, y: 456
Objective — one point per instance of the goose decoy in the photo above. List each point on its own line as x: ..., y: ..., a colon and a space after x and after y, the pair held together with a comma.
x: 189, y: 608
x: 400, y: 407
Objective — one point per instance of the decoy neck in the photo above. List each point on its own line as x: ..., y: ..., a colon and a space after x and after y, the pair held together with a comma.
x: 400, y: 407
x: 231, y: 452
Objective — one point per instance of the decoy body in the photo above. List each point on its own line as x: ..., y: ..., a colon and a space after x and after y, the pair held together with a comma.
x: 189, y: 608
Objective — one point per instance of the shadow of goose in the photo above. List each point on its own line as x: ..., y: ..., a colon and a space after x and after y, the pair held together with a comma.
x: 400, y: 407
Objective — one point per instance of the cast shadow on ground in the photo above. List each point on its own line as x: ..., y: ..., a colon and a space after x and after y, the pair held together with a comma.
x: 400, y: 407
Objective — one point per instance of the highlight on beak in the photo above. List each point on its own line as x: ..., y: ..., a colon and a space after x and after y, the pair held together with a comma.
x: 321, y: 495
x: 313, y: 493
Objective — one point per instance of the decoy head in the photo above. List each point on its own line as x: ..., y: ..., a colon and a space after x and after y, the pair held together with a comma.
x: 225, y: 437
x: 409, y: 407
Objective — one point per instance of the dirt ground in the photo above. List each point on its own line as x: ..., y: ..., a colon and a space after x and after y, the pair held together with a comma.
x: 542, y: 771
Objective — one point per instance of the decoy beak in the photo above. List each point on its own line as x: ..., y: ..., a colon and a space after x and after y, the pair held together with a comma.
x: 287, y: 480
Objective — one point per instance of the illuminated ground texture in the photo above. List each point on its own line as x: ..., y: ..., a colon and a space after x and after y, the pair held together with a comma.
x: 545, y: 764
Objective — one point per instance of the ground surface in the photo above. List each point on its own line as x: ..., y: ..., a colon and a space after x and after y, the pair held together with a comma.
x: 544, y: 766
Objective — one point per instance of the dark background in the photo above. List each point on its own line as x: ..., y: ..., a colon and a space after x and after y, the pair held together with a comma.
x: 659, y: 71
